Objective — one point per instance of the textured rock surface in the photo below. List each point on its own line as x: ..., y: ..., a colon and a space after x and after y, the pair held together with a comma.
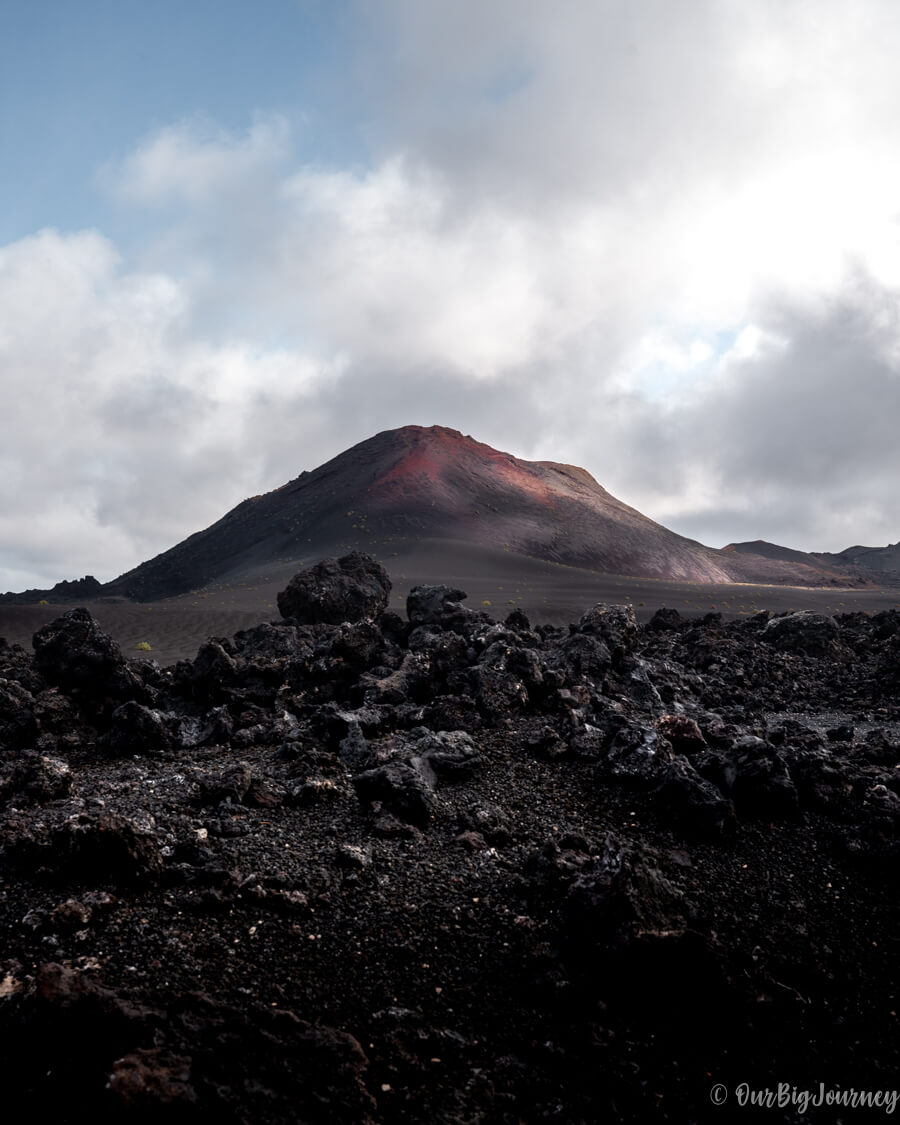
x: 804, y: 631
x: 350, y: 588
x: 73, y: 653
x: 354, y: 868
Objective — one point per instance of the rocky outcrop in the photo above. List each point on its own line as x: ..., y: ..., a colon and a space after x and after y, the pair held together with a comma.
x: 813, y: 633
x: 350, y: 589
x: 74, y: 654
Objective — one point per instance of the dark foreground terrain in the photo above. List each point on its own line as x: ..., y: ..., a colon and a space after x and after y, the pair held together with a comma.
x: 358, y: 866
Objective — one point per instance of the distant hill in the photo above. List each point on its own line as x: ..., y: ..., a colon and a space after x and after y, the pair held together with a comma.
x: 771, y: 551
x: 884, y: 561
x: 411, y: 484
x: 859, y: 564
x: 761, y: 549
x: 62, y: 593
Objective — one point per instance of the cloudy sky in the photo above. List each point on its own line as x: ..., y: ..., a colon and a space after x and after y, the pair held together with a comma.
x: 660, y: 240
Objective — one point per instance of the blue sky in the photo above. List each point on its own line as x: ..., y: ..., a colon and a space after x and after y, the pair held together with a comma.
x: 658, y: 240
x: 82, y: 80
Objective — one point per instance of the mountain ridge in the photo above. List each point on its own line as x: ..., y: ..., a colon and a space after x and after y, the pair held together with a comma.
x: 388, y: 493
x: 416, y: 482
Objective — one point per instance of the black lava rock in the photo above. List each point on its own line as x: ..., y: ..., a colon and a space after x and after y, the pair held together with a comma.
x: 351, y: 588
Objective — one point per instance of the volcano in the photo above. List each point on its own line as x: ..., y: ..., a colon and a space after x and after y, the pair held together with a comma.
x: 404, y: 488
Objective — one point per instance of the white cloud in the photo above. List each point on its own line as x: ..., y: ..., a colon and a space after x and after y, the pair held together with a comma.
x: 195, y: 161
x: 119, y: 432
x: 793, y: 438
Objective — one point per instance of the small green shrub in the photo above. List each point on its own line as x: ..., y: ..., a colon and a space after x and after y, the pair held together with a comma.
x: 43, y: 601
x: 143, y: 646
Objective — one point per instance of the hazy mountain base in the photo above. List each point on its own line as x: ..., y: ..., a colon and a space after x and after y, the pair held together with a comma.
x: 463, y: 872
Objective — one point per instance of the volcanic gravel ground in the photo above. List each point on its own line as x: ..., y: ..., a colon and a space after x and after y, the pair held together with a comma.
x: 441, y: 869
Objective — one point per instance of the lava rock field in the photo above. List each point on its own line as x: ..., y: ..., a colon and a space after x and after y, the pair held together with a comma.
x: 353, y: 867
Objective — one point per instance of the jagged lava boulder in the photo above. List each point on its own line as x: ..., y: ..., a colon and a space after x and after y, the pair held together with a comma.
x: 429, y: 604
x: 442, y: 606
x: 804, y: 631
x: 351, y: 588
x: 74, y: 654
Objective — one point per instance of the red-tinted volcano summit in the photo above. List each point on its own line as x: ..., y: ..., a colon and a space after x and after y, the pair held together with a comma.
x: 412, y: 484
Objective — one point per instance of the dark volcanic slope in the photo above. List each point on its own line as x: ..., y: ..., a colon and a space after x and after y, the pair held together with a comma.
x: 771, y: 551
x: 81, y: 588
x: 880, y: 564
x: 416, y: 483
x: 878, y: 560
x: 834, y: 566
